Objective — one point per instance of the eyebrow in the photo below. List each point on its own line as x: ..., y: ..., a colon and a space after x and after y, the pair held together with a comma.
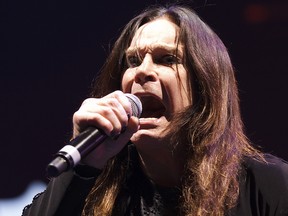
x: 158, y: 46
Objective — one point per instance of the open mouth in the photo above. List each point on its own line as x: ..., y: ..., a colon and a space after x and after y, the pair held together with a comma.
x: 152, y: 107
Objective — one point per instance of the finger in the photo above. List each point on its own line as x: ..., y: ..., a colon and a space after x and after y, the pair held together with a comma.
x: 119, y: 104
x: 124, y: 101
x: 133, y: 126
x: 83, y: 120
x: 96, y: 112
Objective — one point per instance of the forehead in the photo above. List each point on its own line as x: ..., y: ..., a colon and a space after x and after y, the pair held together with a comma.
x: 160, y: 32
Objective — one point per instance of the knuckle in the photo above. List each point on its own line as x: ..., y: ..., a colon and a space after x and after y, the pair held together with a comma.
x: 107, y: 111
x: 76, y: 116
x: 113, y: 102
x: 118, y: 93
x: 87, y: 101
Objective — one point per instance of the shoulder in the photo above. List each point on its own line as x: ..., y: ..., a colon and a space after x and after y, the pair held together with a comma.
x: 46, y: 203
x: 265, y: 182
x: 68, y: 189
x: 271, y: 170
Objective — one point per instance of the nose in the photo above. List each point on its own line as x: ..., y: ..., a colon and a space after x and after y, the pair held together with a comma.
x: 145, y: 71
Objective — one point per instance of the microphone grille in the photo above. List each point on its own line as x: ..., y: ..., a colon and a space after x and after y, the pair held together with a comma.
x: 136, y: 105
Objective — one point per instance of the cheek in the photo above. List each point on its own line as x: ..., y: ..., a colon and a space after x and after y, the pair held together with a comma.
x: 181, y: 91
x: 127, y: 80
x: 186, y: 91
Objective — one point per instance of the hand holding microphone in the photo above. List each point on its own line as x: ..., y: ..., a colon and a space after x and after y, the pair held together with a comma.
x: 102, y: 118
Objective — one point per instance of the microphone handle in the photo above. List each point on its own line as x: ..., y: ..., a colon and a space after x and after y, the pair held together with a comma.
x: 69, y: 156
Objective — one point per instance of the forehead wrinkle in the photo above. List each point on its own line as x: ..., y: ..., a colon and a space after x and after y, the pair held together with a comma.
x: 155, y: 47
x: 139, y: 46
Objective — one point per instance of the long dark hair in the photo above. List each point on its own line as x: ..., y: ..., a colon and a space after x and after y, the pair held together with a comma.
x: 211, y: 129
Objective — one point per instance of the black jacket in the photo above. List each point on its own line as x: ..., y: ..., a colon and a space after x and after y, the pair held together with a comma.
x: 263, y: 191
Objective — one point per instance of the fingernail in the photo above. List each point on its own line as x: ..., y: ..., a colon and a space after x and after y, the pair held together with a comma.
x: 113, y: 133
x: 123, y: 128
x: 115, y: 137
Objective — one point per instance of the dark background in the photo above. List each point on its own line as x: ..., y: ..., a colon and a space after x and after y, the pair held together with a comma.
x: 50, y: 52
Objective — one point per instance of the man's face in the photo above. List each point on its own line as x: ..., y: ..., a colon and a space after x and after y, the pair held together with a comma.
x: 156, y: 75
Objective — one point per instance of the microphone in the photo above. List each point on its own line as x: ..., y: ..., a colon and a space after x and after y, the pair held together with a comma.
x: 70, y: 155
